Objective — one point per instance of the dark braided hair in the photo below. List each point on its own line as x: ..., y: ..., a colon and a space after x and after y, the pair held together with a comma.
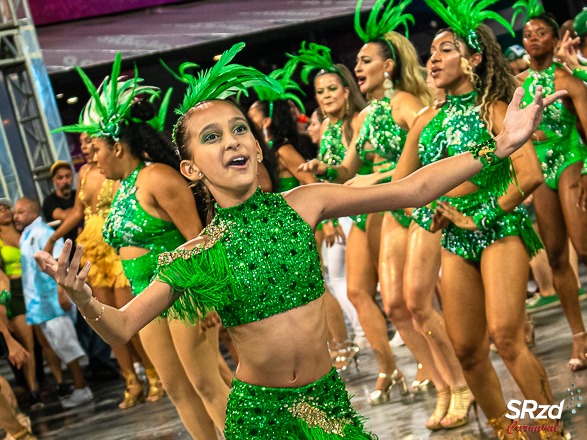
x: 144, y: 141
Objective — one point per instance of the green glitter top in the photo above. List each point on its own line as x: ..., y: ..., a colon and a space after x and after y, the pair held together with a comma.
x: 258, y: 259
x: 386, y: 137
x: 128, y: 224
x: 557, y: 121
x: 455, y: 128
x: 332, y: 149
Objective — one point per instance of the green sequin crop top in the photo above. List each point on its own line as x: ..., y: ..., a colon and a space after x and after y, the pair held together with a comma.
x: 332, y: 149
x: 258, y: 259
x: 557, y: 121
x: 386, y: 137
x: 128, y: 224
x: 455, y: 128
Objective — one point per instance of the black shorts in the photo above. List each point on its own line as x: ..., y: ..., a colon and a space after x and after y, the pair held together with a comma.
x: 17, y: 306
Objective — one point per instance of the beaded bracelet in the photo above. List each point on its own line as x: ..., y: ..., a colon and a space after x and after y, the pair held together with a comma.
x: 580, y: 73
x: 488, y: 214
x: 331, y: 174
x: 485, y: 152
x: 101, y: 312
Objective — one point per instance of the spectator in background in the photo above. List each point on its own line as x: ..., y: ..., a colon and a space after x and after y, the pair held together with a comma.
x: 59, y: 203
x: 518, y: 59
x: 45, y: 303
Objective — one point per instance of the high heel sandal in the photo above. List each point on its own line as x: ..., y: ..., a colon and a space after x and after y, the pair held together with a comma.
x: 440, y: 410
x: 461, y: 401
x: 420, y: 386
x: 26, y: 433
x: 343, y: 354
x: 576, y: 364
x: 559, y: 434
x: 134, y: 393
x: 500, y: 424
x: 156, y: 391
x: 379, y: 397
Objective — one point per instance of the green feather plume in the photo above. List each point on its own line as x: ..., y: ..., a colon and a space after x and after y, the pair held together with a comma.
x: 109, y: 105
x: 313, y: 57
x: 464, y: 16
x: 290, y: 89
x: 158, y: 122
x: 377, y: 26
x: 222, y: 80
x: 528, y: 9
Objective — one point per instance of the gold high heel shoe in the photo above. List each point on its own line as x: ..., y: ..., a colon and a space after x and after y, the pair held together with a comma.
x: 156, y: 391
x: 500, y: 424
x: 343, y: 353
x: 26, y: 433
x: 440, y: 410
x: 576, y: 364
x: 379, y: 397
x: 420, y: 386
x: 559, y: 434
x: 134, y: 393
x: 461, y: 400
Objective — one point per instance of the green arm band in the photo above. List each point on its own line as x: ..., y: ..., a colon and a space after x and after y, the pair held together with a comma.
x: 331, y: 174
x: 580, y: 73
x: 485, y: 152
x: 5, y: 298
x: 488, y: 214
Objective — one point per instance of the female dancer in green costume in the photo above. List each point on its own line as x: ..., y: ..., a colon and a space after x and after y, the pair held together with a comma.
x: 562, y: 154
x: 388, y: 71
x: 487, y: 238
x: 154, y: 211
x: 265, y: 281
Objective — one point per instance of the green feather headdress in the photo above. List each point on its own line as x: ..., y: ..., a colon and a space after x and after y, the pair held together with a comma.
x: 528, y: 9
x: 290, y: 89
x: 464, y: 16
x: 222, y: 80
x: 158, y: 122
x: 314, y: 57
x: 109, y: 105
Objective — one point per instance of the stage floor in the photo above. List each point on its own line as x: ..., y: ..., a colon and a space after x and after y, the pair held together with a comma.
x: 402, y: 418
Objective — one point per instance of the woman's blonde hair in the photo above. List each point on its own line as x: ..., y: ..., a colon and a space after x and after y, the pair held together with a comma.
x: 407, y: 73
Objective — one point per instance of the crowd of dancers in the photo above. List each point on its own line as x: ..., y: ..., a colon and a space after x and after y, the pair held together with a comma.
x: 222, y: 229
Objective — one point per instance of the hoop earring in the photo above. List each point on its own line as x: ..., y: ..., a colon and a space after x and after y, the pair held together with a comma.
x: 388, y: 86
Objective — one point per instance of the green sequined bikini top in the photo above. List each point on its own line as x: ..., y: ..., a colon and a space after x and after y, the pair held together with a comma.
x: 557, y: 121
x: 455, y: 128
x: 259, y: 259
x: 386, y: 137
x: 332, y: 149
x: 128, y: 224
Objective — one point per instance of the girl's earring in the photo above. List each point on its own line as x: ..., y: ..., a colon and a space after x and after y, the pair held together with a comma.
x: 200, y: 175
x: 388, y: 86
x: 259, y: 158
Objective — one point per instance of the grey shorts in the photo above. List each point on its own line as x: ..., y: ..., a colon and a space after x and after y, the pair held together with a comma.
x: 61, y: 335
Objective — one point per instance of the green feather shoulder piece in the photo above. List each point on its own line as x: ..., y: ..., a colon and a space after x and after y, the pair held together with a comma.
x: 201, y: 276
x: 383, y: 18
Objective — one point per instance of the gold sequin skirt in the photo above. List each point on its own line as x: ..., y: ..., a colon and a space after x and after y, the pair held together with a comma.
x: 106, y: 269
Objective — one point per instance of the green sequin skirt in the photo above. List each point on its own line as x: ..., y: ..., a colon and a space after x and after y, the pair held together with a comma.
x: 320, y: 410
x: 140, y: 271
x: 471, y: 244
x: 360, y: 221
x: 557, y: 154
x: 423, y: 216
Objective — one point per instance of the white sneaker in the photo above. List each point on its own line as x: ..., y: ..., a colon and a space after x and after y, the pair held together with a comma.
x: 78, y: 397
x: 396, y: 341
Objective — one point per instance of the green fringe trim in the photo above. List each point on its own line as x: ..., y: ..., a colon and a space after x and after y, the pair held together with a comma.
x: 350, y: 432
x: 202, y: 276
x: 530, y: 238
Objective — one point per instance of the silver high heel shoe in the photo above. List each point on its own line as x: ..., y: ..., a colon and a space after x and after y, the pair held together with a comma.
x: 379, y: 397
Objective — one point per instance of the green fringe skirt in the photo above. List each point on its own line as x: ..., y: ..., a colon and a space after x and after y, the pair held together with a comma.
x: 318, y: 411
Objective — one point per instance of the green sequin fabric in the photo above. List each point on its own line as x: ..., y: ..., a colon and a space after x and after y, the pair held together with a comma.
x: 455, y: 128
x: 320, y: 410
x: 386, y: 139
x: 287, y: 183
x: 271, y: 261
x: 128, y: 224
x: 333, y: 152
x: 563, y: 145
